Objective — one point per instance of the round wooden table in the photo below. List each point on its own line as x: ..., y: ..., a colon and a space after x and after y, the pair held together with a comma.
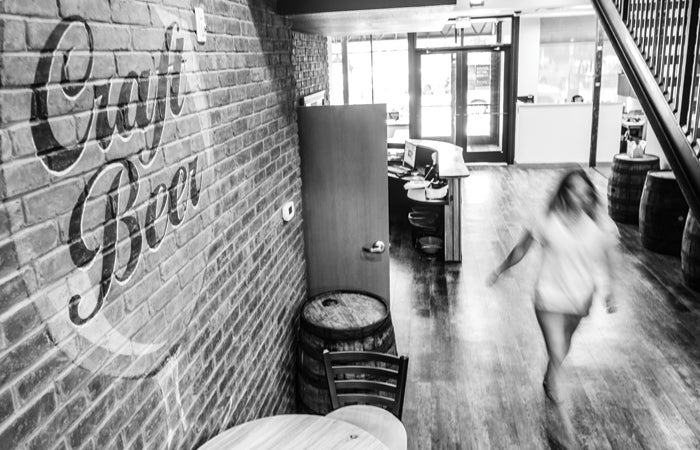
x: 292, y: 431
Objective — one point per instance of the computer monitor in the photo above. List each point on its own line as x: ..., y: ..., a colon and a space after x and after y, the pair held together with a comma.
x: 424, y: 157
x: 409, y: 154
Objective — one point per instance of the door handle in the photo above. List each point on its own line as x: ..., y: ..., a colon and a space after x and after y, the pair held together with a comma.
x: 377, y: 247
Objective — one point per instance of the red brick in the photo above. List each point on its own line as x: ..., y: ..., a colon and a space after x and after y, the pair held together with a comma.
x: 35, y: 242
x: 8, y: 258
x: 42, y: 377
x: 25, y: 424
x: 23, y: 176
x: 12, y: 34
x: 131, y: 61
x: 111, y: 37
x: 22, y: 70
x: 49, y: 203
x: 53, y: 266
x: 41, y: 8
x: 92, y: 10
x: 15, y: 105
x: 38, y: 33
x: 148, y: 39
x: 130, y: 12
x: 53, y: 431
x: 84, y: 429
x: 6, y: 405
x: 23, y: 355
x: 20, y: 323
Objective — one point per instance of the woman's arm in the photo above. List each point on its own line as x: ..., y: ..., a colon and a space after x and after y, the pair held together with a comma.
x: 612, y: 257
x: 514, y: 257
x: 605, y: 291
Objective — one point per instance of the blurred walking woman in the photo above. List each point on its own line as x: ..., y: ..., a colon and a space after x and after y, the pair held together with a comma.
x: 578, y: 242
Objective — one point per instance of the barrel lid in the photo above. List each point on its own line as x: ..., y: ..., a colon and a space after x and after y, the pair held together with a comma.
x: 664, y: 174
x: 344, y: 311
x: 645, y: 157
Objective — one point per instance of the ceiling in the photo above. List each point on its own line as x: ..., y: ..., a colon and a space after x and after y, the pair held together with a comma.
x: 428, y: 18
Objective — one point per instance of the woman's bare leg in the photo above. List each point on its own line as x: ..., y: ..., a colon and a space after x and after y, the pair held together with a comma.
x: 557, y: 330
x: 571, y: 322
x: 552, y: 326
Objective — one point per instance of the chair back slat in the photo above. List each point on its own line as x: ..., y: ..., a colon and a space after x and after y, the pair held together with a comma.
x: 351, y: 382
x: 365, y: 399
x: 382, y: 372
x: 341, y: 357
x: 342, y: 386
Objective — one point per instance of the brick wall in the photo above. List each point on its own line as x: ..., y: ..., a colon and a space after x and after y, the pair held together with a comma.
x: 310, y: 55
x: 148, y: 286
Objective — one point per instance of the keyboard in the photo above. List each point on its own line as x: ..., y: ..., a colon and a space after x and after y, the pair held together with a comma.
x: 399, y: 170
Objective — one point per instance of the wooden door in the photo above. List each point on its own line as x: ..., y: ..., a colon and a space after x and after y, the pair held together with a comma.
x: 345, y: 198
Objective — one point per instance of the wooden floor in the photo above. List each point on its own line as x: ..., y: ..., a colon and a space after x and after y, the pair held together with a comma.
x: 477, y: 356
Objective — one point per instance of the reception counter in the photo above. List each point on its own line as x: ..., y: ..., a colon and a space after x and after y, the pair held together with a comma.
x: 561, y: 133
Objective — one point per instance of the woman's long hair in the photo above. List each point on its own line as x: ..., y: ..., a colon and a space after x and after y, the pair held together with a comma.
x: 561, y: 201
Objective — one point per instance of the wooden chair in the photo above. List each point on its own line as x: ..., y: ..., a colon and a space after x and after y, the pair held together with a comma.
x: 369, y: 396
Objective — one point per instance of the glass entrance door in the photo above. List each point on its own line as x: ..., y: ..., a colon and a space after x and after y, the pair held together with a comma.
x: 463, y: 100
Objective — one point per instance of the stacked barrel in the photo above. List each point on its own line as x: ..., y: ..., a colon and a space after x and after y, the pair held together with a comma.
x: 626, y: 185
x: 690, y: 253
x: 640, y: 193
x: 662, y: 213
x: 337, y: 321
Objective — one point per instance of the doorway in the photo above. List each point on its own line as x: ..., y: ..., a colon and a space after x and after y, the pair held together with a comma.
x: 465, y: 100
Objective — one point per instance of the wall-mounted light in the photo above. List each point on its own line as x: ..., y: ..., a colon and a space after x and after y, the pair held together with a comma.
x: 474, y: 3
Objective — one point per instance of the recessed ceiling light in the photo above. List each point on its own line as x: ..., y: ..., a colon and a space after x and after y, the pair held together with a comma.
x: 476, y: 3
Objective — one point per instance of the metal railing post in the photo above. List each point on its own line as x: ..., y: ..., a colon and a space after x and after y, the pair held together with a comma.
x: 688, y: 61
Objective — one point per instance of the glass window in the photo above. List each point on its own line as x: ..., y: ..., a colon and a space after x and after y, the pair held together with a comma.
x: 465, y: 32
x: 336, y: 73
x: 566, y: 69
x: 390, y: 74
x: 567, y: 61
x: 377, y: 73
x: 360, y: 72
x: 611, y: 72
x: 438, y: 79
x: 437, y: 40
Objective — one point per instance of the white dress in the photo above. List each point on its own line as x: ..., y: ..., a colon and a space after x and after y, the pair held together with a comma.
x: 573, y: 262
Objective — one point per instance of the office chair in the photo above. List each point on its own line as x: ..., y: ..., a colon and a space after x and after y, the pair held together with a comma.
x: 369, y: 396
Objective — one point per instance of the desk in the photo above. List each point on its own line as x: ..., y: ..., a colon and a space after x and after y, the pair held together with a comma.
x: 451, y: 166
x: 418, y: 196
x: 302, y: 431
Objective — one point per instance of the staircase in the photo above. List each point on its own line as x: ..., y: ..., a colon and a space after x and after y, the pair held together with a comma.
x: 658, y: 45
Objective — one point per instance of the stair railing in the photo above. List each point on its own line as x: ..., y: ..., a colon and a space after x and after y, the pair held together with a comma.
x: 657, y: 44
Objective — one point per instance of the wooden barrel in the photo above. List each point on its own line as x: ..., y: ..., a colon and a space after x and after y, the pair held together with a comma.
x: 336, y: 321
x: 690, y: 252
x: 626, y: 184
x: 662, y: 213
